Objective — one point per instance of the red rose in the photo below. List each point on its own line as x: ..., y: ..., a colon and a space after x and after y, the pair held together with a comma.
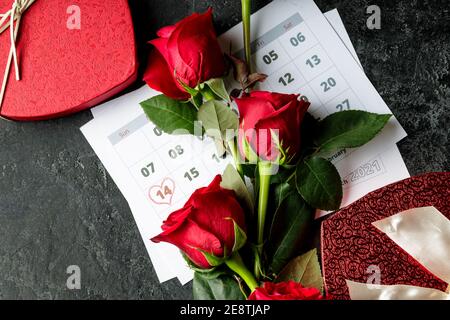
x: 205, y: 224
x: 285, y: 291
x: 188, y: 52
x: 261, y: 111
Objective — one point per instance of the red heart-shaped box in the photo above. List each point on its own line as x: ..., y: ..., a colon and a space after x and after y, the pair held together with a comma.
x: 351, y: 244
x: 65, y: 70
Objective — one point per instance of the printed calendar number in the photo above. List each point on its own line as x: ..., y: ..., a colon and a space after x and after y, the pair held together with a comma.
x: 286, y: 79
x: 295, y: 41
x: 270, y: 57
x: 328, y: 84
x: 347, y: 100
x: 344, y: 105
x: 175, y: 152
x: 191, y: 174
x: 148, y: 170
x: 308, y: 95
x: 304, y: 98
x: 365, y: 170
x: 163, y: 193
x: 157, y: 131
x: 216, y: 158
x: 331, y: 88
x: 313, y: 61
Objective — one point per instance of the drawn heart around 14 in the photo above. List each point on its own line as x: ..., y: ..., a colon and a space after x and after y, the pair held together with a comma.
x: 163, y: 193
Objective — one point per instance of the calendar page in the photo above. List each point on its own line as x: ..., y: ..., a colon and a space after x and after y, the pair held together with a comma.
x: 299, y: 50
x: 362, y: 176
x: 338, y: 26
x: 157, y: 172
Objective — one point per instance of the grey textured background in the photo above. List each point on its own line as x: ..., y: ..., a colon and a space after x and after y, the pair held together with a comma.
x: 59, y: 207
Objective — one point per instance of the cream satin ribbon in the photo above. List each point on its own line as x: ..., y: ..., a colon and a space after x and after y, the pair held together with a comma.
x: 424, y: 233
x: 365, y: 291
x: 7, y: 22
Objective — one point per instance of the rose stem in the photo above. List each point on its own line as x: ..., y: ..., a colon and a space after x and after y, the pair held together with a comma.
x: 236, y: 264
x: 246, y: 8
x: 264, y: 169
x: 208, y: 94
x: 233, y: 144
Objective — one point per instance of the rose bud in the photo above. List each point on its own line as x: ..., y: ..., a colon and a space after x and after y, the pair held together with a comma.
x: 270, y: 124
x: 209, y: 228
x: 186, y: 54
x: 289, y: 290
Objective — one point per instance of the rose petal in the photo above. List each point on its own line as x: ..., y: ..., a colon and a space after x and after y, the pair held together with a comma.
x: 176, y: 219
x: 251, y: 110
x: 216, y: 211
x: 158, y: 77
x: 189, y: 238
x: 278, y: 100
x: 161, y: 45
x: 287, y: 121
x: 165, y: 32
x: 194, y: 51
x: 201, y: 34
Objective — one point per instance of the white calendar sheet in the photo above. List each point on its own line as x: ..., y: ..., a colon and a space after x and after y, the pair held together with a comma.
x: 360, y: 177
x: 156, y: 172
x: 296, y: 46
x: 336, y: 23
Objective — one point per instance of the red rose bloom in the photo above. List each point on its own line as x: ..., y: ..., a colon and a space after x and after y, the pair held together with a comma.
x: 261, y: 111
x: 205, y: 224
x: 188, y: 52
x: 289, y: 290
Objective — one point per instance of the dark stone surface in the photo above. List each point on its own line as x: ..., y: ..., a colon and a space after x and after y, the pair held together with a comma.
x: 59, y: 207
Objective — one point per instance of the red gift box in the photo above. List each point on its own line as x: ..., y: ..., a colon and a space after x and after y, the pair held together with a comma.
x: 65, y: 69
x: 351, y: 244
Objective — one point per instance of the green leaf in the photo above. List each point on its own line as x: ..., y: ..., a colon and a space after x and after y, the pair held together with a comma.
x: 210, y: 273
x: 223, y: 287
x: 212, y: 259
x: 217, y: 86
x: 249, y: 169
x: 284, y: 174
x: 249, y: 153
x: 348, y: 129
x: 290, y: 228
x: 197, y: 100
x: 309, y: 125
x: 170, y: 115
x: 231, y: 180
x: 304, y: 269
x: 193, y: 92
x: 281, y: 191
x: 217, y: 118
x: 319, y: 183
x: 220, y: 147
x: 240, y: 238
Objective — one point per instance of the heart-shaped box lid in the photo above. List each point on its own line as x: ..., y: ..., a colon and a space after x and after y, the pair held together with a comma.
x: 351, y: 244
x: 65, y: 69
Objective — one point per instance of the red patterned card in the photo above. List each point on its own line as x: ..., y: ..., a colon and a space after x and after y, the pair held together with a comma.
x: 350, y: 244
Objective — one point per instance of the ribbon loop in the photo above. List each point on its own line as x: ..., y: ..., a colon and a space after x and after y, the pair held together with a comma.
x: 424, y: 233
x: 11, y: 20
